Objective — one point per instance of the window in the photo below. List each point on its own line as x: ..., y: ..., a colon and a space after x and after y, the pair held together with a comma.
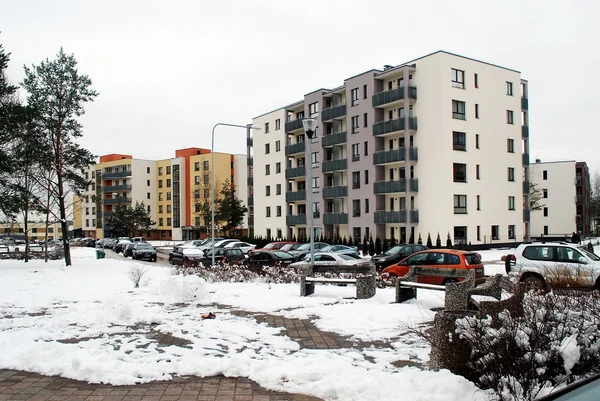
x: 546, y: 230
x: 459, y: 140
x: 169, y: 221
x: 496, y: 232
x: 160, y: 221
x: 277, y: 146
x: 268, y: 212
x: 207, y: 193
x: 279, y: 233
x: 477, y: 172
x: 545, y: 212
x: 87, y: 211
x: 511, y: 203
x: 160, y: 183
x: 545, y: 174
x: 458, y: 78
x: 545, y: 193
x: 148, y: 195
x: 148, y: 170
x: 460, y: 172
x: 356, y: 234
x: 168, y: 208
x: 168, y: 196
x: 478, y: 202
x: 314, y: 158
x: 315, y: 182
x: 277, y: 167
x: 478, y: 233
x: 542, y: 253
x: 509, y: 88
x: 313, y: 109
x: 266, y: 128
x: 197, y: 221
x: 356, y: 179
x: 460, y: 237
x: 268, y: 169
x: 510, y: 145
x: 160, y: 208
x: 197, y: 166
x: 148, y: 208
x: 460, y: 204
x: 366, y: 120
x: 316, y: 210
x: 366, y: 177
x: 356, y: 207
x: 354, y: 94
x: 160, y: 170
x: 268, y: 233
x: 168, y: 183
x: 267, y: 148
x: 169, y: 169
x: 476, y: 110
x: 364, y: 96
x: 366, y: 152
x: 160, y: 196
x: 355, y: 152
x: 476, y: 141
x: 510, y: 117
x: 458, y: 110
x: 355, y: 124
x: 278, y: 211
x: 511, y: 174
x: 268, y: 190
x: 278, y: 189
x: 366, y: 206
x: 205, y: 165
x: 476, y: 84
x: 277, y: 124
x: 206, y: 179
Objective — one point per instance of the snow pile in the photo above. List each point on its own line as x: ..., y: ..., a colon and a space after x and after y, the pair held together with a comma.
x: 176, y: 289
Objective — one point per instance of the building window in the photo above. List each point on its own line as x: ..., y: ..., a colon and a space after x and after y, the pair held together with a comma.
x: 478, y: 202
x: 315, y: 182
x: 148, y: 195
x: 267, y: 148
x: 197, y: 221
x: 477, y: 172
x: 168, y: 183
x: 476, y: 84
x: 313, y: 109
x: 168, y: 221
x: 364, y: 96
x: 160, y: 196
x: 168, y: 196
x: 356, y: 207
x: 355, y: 127
x: 87, y: 211
x: 160, y: 183
x: 460, y: 234
x: 355, y: 152
x: 545, y: 174
x: 277, y: 124
x: 458, y: 78
x: 510, y: 145
x: 160, y: 209
x: 268, y: 190
x: 476, y: 141
x: 366, y: 120
x: 356, y: 179
x: 478, y: 233
x: 366, y: 206
x: 460, y: 204
x: 168, y: 170
x: 277, y: 167
x: 268, y: 212
x: 205, y: 165
x: 495, y: 232
x: 168, y: 208
x: 206, y: 179
x: 147, y: 183
x: 314, y: 158
x: 148, y: 170
x: 366, y: 177
x: 509, y: 88
x: 160, y: 221
x: 511, y: 232
x: 148, y: 208
x: 354, y: 94
x: 459, y: 140
x: 160, y: 170
x: 511, y: 174
x: 278, y: 211
x: 458, y: 110
x: 546, y: 230
x: 510, y: 117
x: 366, y: 148
x: 268, y: 169
x: 476, y: 110
x: 356, y: 234
x: 277, y: 146
x: 197, y: 166
x: 207, y: 193
x: 460, y: 172
x: 545, y: 212
x: 511, y: 203
x: 266, y: 128
x: 268, y: 233
x: 278, y: 189
x: 545, y: 193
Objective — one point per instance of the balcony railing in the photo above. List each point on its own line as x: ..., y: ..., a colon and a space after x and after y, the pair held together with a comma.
x: 414, y: 216
x: 251, y: 201
x: 293, y: 125
x: 116, y: 201
x: 525, y: 131
x: 333, y: 112
x: 335, y: 218
x: 387, y: 127
x: 249, y: 141
x: 251, y: 221
x: 524, y: 103
x: 393, y: 95
x: 333, y: 139
x: 116, y: 188
x: 250, y: 161
x: 295, y: 172
x: 250, y: 181
x: 394, y: 156
x: 334, y: 165
x: 295, y: 219
x: 116, y: 174
x: 459, y: 116
x: 295, y: 196
x: 526, y: 187
x: 578, y: 198
x: 390, y: 217
x: 296, y: 148
x: 414, y: 185
x: 388, y: 187
x: 526, y: 215
x: 525, y: 159
x: 335, y: 192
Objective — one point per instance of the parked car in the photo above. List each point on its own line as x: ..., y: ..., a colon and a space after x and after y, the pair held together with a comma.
x: 89, y: 242
x: 555, y: 264
x: 138, y: 239
x: 218, y: 244
x: 193, y: 244
x: 143, y: 250
x: 304, y: 249
x: 582, y: 390
x: 105, y: 243
x: 438, y: 259
x: 244, y: 246
x: 181, y: 255
x: 290, y: 247
x: 269, y: 258
x: 224, y: 256
x: 395, y: 255
x: 339, y: 249
x: 121, y: 245
x: 332, y: 258
x: 128, y: 250
x: 274, y: 246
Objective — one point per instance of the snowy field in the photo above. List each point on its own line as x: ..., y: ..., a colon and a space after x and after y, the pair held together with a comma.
x: 87, y: 322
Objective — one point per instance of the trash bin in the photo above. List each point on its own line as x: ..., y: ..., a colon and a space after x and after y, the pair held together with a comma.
x: 100, y: 254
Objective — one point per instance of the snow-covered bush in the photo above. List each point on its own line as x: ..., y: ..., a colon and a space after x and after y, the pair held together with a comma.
x: 239, y: 273
x: 136, y: 274
x: 554, y: 342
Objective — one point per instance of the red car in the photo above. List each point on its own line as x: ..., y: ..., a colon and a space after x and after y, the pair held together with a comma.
x: 272, y: 246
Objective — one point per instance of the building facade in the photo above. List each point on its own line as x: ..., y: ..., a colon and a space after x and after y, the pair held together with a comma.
x: 564, y: 191
x: 439, y: 144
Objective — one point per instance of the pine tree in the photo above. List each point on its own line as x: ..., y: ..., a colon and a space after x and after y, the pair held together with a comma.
x: 386, y: 245
x: 345, y: 241
x: 393, y: 242
x: 371, y: 246
x: 377, y: 246
x: 438, y: 242
x: 449, y: 242
x: 429, y: 244
x: 350, y: 242
x: 411, y: 240
x: 230, y: 209
x: 420, y: 241
x: 365, y: 246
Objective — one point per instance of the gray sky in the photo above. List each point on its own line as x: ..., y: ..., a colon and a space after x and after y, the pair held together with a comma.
x: 168, y: 70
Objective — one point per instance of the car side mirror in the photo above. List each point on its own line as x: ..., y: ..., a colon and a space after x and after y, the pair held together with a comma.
x: 582, y: 260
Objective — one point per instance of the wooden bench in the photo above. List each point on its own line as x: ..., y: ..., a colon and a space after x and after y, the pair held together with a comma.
x: 365, y: 280
x: 406, y: 286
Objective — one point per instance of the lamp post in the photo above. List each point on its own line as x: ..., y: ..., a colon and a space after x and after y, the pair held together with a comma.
x: 310, y: 126
x: 212, y: 181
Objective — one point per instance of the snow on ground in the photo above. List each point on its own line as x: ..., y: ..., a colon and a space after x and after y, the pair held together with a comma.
x: 87, y: 322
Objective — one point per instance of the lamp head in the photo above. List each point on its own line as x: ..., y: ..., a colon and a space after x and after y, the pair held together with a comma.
x: 310, y: 126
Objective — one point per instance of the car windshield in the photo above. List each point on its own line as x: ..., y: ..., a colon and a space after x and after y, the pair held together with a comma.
x: 282, y: 255
x: 304, y: 247
x: 472, y: 259
x: 393, y: 250
x: 270, y: 245
x: 346, y: 257
x: 589, y: 254
x: 144, y: 246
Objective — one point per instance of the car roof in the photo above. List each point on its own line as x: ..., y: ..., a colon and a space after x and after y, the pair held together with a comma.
x: 449, y: 251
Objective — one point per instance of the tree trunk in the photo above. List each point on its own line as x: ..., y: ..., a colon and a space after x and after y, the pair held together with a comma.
x: 26, y: 226
x: 61, y: 198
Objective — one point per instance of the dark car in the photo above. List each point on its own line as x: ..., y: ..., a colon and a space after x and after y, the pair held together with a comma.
x: 224, y: 256
x: 121, y: 245
x: 143, y: 250
x: 396, y: 254
x: 269, y: 258
x: 183, y: 255
x: 304, y: 250
x: 108, y: 243
x: 128, y: 250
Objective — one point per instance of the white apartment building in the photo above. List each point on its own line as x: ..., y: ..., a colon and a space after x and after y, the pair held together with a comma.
x: 439, y: 144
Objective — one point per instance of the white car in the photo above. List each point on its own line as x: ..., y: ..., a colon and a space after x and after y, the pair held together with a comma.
x: 244, y: 246
x: 192, y: 244
x: 218, y: 244
x: 333, y: 258
x: 555, y: 264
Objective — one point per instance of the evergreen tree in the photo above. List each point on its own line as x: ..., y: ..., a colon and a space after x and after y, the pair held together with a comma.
x: 420, y: 241
x: 127, y: 221
x: 449, y: 242
x: 230, y: 208
x: 386, y: 245
x: 393, y: 242
x: 344, y: 241
x: 365, y: 246
x: 377, y: 246
x: 350, y: 242
x: 429, y: 244
x: 411, y: 240
x: 438, y: 242
x: 371, y: 246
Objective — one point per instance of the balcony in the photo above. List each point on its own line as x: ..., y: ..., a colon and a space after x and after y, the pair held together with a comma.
x: 335, y: 218
x: 333, y: 112
x: 333, y: 139
x: 394, y: 156
x: 525, y: 131
x: 250, y: 161
x: 295, y: 172
x: 414, y: 216
x: 389, y: 97
x: 392, y: 126
x: 293, y: 125
x: 250, y: 221
x: 295, y: 219
x: 334, y: 165
x: 525, y: 159
x: 249, y: 141
x: 390, y: 217
x: 250, y: 181
x: 414, y: 185
x: 579, y: 199
x: 116, y: 201
x: 526, y: 215
x: 116, y: 188
x: 294, y: 149
x: 107, y: 215
x: 525, y: 187
x: 117, y: 174
x: 335, y: 192
x: 295, y: 196
x: 389, y: 187
x: 524, y: 103
x: 250, y: 201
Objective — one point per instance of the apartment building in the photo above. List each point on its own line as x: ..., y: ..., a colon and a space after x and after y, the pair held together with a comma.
x: 37, y: 230
x: 564, y: 188
x: 439, y: 144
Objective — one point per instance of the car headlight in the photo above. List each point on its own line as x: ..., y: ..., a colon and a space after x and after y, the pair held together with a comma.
x: 382, y: 260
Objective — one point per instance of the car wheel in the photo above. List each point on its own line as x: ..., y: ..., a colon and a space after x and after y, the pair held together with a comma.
x: 154, y: 259
x: 533, y: 283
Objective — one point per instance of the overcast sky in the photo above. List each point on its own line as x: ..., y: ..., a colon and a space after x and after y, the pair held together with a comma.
x: 167, y: 71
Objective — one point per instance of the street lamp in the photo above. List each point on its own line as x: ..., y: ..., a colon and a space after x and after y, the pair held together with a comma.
x: 212, y: 180
x: 310, y: 126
